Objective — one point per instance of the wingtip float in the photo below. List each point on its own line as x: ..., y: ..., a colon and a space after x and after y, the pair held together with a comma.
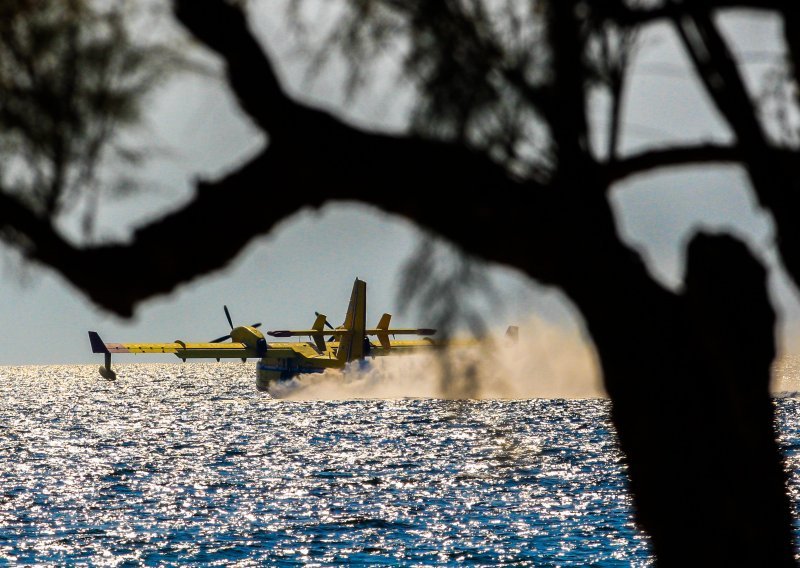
x: 331, y: 348
x: 99, y: 347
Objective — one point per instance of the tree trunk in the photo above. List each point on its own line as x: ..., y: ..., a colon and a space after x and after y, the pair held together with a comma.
x: 689, y: 376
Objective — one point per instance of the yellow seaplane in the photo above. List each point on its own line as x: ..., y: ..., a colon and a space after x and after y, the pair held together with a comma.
x: 278, y: 361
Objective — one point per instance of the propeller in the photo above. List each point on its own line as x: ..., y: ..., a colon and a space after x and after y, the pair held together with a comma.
x: 220, y: 339
x: 230, y: 322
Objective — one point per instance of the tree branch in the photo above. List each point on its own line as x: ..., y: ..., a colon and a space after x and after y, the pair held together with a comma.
x: 716, y: 68
x: 392, y: 173
x: 775, y: 178
x: 569, y: 123
x: 791, y: 34
x: 671, y: 157
x: 397, y: 175
x: 177, y: 247
x: 223, y: 28
x: 331, y: 161
x: 635, y: 16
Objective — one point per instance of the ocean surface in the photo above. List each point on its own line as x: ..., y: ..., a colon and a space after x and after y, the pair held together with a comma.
x: 175, y: 465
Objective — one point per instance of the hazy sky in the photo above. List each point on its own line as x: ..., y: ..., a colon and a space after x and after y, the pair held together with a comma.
x: 310, y: 262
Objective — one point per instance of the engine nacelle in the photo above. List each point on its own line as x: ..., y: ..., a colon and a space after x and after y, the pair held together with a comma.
x: 251, y: 337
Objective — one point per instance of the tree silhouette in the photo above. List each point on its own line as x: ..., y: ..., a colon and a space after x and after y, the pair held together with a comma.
x: 504, y: 91
x: 70, y: 77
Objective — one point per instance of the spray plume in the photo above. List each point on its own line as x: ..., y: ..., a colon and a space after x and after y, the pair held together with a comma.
x: 548, y: 361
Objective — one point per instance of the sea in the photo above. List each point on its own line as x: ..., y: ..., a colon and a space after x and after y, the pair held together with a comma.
x: 189, y: 465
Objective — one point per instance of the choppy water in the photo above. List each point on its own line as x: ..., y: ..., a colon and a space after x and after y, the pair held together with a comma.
x: 189, y: 464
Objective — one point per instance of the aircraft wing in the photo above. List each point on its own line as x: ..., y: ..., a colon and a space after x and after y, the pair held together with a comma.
x: 179, y: 348
x: 385, y: 347
x: 186, y: 350
x: 380, y: 349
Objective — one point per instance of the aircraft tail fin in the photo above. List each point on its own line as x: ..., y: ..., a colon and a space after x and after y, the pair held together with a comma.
x: 351, y: 345
x: 97, y: 344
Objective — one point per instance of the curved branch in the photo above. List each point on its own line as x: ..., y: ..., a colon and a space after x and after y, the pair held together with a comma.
x: 318, y: 160
x: 716, y: 68
x: 313, y: 158
x: 397, y: 175
x: 411, y: 176
x: 223, y: 28
x: 341, y: 162
x: 177, y: 247
x: 672, y: 157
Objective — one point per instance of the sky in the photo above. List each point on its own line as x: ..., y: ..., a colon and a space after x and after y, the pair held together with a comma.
x: 309, y: 262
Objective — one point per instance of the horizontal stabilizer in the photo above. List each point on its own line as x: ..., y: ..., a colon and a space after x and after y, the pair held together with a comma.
x: 341, y: 332
x: 401, y: 331
x: 305, y: 332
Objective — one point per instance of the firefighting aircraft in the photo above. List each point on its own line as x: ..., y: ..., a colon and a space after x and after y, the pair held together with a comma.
x: 282, y: 361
